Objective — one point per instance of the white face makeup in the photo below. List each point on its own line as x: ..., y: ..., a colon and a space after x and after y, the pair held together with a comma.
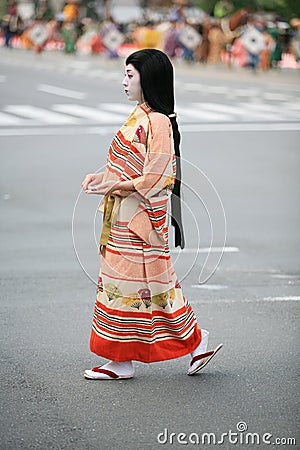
x: 132, y: 84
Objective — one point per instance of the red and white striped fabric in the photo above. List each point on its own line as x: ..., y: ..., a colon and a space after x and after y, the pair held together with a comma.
x: 140, y: 312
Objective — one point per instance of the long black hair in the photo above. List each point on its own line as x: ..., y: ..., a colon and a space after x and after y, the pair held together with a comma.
x: 157, y: 83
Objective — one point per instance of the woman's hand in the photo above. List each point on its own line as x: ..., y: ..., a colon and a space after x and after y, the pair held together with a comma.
x: 92, y: 179
x: 108, y: 187
x: 92, y: 184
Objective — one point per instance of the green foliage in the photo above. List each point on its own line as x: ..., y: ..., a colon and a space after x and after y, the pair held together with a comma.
x: 284, y: 8
x: 3, y: 8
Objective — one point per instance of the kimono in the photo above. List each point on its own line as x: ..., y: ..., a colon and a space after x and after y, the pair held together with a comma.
x: 140, y: 312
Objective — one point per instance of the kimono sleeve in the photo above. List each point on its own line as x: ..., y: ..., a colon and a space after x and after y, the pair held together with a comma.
x: 158, y: 168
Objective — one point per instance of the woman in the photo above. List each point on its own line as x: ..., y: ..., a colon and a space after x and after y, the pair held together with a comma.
x: 140, y: 312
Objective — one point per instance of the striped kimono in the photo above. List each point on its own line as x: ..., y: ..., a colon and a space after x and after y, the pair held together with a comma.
x: 140, y: 312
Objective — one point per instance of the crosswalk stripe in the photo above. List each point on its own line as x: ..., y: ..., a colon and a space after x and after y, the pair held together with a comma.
x: 206, y: 250
x: 272, y: 109
x: 191, y: 128
x: 274, y: 96
x: 246, y: 92
x: 240, y: 126
x: 117, y: 107
x: 218, y: 107
x: 88, y: 112
x: 215, y: 89
x: 242, y: 113
x: 198, y: 112
x: 192, y: 87
x: 49, y: 89
x: 293, y: 106
x: 258, y: 107
x: 42, y: 115
x: 5, y: 119
x: 116, y: 113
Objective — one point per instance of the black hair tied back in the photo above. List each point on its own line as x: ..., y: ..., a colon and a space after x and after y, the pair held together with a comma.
x: 157, y: 83
x: 176, y: 219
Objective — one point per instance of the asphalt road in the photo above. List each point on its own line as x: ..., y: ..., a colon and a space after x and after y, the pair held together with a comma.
x: 241, y: 181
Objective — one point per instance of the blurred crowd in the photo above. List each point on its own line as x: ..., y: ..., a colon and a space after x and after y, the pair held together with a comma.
x: 257, y: 40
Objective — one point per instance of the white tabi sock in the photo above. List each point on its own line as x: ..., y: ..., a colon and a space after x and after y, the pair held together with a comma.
x: 120, y: 368
x: 202, y: 347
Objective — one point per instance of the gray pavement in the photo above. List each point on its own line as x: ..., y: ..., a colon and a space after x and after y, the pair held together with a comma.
x: 250, y: 303
x: 78, y: 63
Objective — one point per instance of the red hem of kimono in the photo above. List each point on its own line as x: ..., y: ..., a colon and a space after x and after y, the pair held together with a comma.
x: 141, y: 351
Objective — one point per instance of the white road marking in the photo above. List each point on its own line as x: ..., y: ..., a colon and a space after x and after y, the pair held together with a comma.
x: 212, y: 287
x: 216, y: 89
x: 60, y: 131
x: 290, y: 298
x: 294, y: 106
x: 207, y: 250
x: 190, y: 115
x: 40, y: 114
x: 205, y: 89
x: 247, y: 92
x: 193, y: 117
x: 60, y: 91
x: 275, y: 96
x: 94, y: 130
x: 88, y: 112
x: 6, y: 119
x: 256, y: 107
x: 287, y: 298
x: 198, y: 112
x: 214, y: 127
x: 285, y: 276
x: 191, y: 87
x: 229, y: 110
x: 120, y: 108
x: 239, y: 111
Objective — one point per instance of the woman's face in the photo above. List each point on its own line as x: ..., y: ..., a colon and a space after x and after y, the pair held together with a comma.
x: 132, y: 84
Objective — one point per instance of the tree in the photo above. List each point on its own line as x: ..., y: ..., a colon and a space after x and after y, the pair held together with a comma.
x: 283, y: 8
